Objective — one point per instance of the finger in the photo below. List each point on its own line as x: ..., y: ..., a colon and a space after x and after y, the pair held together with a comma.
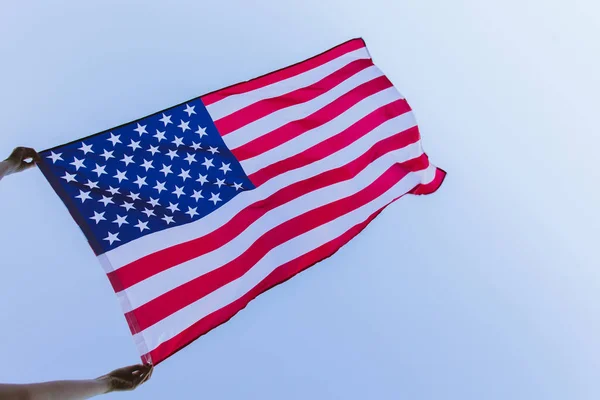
x: 35, y: 156
x: 151, y: 371
x: 23, y: 166
x: 138, y: 380
x: 18, y: 153
x: 28, y: 152
x: 26, y: 165
x: 132, y: 368
x: 146, y: 375
x: 138, y: 373
x: 145, y: 379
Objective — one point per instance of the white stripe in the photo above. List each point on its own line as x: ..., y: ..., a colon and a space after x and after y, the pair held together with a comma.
x: 187, y: 316
x: 323, y: 132
x: 428, y: 175
x: 233, y: 103
x: 300, y: 111
x: 145, y: 245
x: 171, y: 278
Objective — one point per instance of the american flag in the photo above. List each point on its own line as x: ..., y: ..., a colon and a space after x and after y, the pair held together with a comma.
x: 197, y: 209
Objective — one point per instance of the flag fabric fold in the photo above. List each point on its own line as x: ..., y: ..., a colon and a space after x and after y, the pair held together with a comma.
x: 197, y: 209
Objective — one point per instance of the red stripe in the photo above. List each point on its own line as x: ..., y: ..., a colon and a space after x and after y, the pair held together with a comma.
x: 160, y: 261
x: 284, y: 73
x: 332, y: 144
x: 278, y: 276
x: 296, y: 128
x: 432, y: 186
x: 262, y: 108
x: 190, y: 292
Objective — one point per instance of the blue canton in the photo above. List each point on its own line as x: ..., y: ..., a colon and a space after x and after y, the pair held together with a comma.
x: 165, y: 170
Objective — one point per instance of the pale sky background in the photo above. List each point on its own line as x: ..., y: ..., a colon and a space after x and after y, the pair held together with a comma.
x: 489, y: 289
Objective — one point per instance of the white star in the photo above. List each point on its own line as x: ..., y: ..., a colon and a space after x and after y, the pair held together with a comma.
x: 201, y: 131
x: 185, y: 126
x: 98, y: 217
x: 114, y: 139
x: 91, y: 185
x: 160, y: 186
x: 153, y: 202
x: 166, y: 169
x: 140, y: 181
x: 208, y: 163
x: 191, y: 158
x: 112, y: 237
x: 147, y: 165
x: 220, y: 182
x: 86, y: 148
x: 202, y: 179
x: 133, y: 196
x: 107, y: 155
x: 177, y: 141
x: 120, y: 220
x: 159, y: 135
x: 237, y: 186
x: 83, y: 196
x: 100, y: 170
x: 120, y: 176
x: 127, y: 159
x: 134, y: 145
x: 106, y: 200
x: 213, y: 150
x: 192, y: 212
x: 172, y: 154
x: 196, y: 146
x: 69, y: 178
x: 142, y: 225
x: 55, y: 157
x: 178, y: 191
x: 166, y: 119
x: 168, y: 219
x: 127, y: 206
x: 215, y: 198
x: 173, y: 207
x: 77, y: 163
x: 113, y: 191
x: 153, y: 150
x: 189, y: 110
x: 184, y: 174
x: 141, y: 129
x: 225, y: 168
x: 149, y: 213
x: 197, y: 195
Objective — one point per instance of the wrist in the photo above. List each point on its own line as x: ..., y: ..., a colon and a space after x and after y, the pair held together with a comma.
x: 8, y: 166
x: 105, y: 382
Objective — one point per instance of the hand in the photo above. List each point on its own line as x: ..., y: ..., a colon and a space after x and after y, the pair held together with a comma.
x: 128, y: 378
x: 20, y: 155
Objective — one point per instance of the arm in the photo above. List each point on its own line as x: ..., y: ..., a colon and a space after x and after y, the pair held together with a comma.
x: 63, y: 390
x: 123, y: 379
x: 6, y: 168
x: 17, y: 161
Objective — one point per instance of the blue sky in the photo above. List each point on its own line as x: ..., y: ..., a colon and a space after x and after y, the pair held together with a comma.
x: 487, y: 289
